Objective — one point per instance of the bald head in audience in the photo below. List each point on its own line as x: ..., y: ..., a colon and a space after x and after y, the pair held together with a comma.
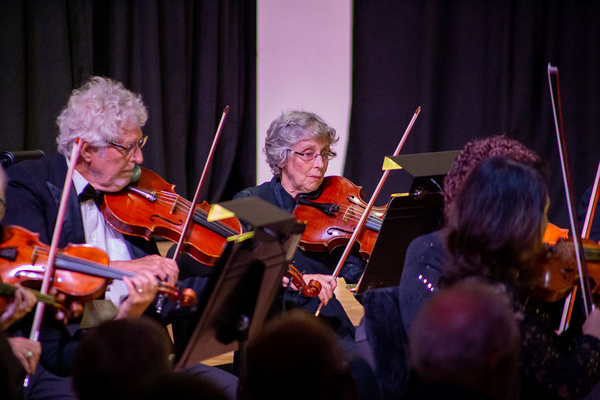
x: 467, y: 337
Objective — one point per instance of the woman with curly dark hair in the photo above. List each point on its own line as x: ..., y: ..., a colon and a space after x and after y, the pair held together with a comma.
x: 478, y: 150
x: 426, y: 254
x: 494, y: 234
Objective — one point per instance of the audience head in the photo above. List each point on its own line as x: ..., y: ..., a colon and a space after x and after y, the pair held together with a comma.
x: 466, y: 336
x: 496, y: 222
x: 478, y: 150
x: 117, y: 357
x: 99, y: 112
x: 180, y: 386
x: 290, y: 128
x: 296, y: 344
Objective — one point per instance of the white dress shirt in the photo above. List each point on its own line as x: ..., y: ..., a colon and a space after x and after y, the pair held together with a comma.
x: 100, y: 234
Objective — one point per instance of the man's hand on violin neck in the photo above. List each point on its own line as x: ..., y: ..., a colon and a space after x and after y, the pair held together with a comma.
x: 165, y: 269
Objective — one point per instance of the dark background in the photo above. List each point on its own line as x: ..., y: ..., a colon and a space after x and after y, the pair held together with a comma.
x: 477, y: 68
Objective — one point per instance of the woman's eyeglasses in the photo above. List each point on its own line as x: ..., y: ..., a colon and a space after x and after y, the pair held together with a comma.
x: 309, y: 156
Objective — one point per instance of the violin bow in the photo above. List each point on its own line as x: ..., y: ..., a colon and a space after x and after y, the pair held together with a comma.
x: 560, y: 136
x: 49, y: 272
x: 585, y: 234
x: 369, y: 206
x: 194, y: 201
x: 192, y: 211
x: 589, y: 216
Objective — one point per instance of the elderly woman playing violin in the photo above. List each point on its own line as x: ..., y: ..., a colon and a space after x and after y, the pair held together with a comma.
x: 108, y: 118
x: 298, y: 148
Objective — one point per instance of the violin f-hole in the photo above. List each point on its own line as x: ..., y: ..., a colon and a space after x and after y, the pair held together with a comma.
x: 178, y: 223
x: 331, y: 230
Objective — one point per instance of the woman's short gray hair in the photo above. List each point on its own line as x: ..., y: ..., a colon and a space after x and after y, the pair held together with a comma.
x: 290, y: 128
x: 97, y: 112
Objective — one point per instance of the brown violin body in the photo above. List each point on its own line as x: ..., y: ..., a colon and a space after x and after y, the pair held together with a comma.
x: 150, y: 207
x: 81, y: 271
x: 24, y: 259
x: 331, y: 215
x: 559, y: 272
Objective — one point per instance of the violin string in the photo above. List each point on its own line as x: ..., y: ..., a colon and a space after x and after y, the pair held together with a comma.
x: 352, y: 213
x: 356, y: 215
x: 218, y: 227
x: 215, y: 226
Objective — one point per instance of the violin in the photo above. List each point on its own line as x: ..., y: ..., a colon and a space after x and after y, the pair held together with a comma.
x: 310, y: 289
x: 81, y: 274
x: 559, y: 272
x: 331, y: 214
x: 150, y: 207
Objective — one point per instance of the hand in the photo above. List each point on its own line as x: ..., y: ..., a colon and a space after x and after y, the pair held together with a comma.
x: 164, y: 269
x: 27, y: 352
x: 22, y: 303
x: 142, y: 290
x: 328, y: 283
x: 591, y: 326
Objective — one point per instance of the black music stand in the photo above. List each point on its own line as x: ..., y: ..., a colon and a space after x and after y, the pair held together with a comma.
x: 408, y: 215
x: 247, y: 278
x: 427, y: 169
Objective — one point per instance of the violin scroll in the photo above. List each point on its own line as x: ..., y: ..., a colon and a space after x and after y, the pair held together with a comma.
x: 185, y: 297
x: 310, y: 289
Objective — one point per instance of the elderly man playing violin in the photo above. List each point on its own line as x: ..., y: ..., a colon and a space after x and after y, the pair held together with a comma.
x: 298, y: 151
x: 108, y: 119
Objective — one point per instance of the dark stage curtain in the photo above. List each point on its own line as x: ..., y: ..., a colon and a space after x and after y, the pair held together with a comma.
x: 477, y: 68
x: 188, y: 59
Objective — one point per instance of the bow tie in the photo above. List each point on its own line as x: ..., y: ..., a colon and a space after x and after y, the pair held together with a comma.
x: 90, y: 193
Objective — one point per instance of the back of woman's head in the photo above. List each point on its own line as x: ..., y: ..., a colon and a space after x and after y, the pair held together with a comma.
x: 494, y: 227
x: 478, y: 150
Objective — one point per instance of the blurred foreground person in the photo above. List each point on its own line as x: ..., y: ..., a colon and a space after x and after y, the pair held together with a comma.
x: 465, y: 344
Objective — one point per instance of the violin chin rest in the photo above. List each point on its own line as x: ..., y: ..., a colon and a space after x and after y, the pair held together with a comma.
x: 136, y: 173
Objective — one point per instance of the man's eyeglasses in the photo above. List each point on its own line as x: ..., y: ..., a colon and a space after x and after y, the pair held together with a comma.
x: 141, y: 143
x: 309, y: 156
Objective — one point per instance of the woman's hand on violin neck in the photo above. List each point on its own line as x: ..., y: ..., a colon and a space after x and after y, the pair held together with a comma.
x: 142, y: 291
x: 328, y: 285
x: 591, y: 326
x: 165, y: 269
x: 22, y: 302
x: 27, y: 351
